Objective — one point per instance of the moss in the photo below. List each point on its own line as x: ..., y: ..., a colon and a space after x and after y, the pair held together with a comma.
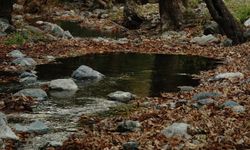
x: 15, y: 39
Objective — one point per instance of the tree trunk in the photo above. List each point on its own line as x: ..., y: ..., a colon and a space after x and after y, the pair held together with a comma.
x: 171, y: 14
x: 226, y: 21
x: 6, y: 8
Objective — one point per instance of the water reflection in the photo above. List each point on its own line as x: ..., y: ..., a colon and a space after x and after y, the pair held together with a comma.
x: 141, y: 74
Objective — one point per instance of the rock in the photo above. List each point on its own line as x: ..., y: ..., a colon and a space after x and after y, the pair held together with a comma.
x: 230, y: 104
x: 121, y: 96
x: 62, y: 94
x: 5, y: 26
x: 38, y: 94
x: 55, y: 144
x: 173, y: 34
x: 185, y: 88
x: 20, y: 129
x: 25, y: 62
x: 85, y: 73
x: 55, y: 30
x: 28, y: 80
x: 227, y: 42
x: 131, y: 145
x: 16, y: 54
x: 33, y: 29
x: 3, y: 119
x: 178, y: 103
x: 7, y: 133
x: 227, y: 75
x: 205, y: 95
x: 205, y: 39
x: 27, y: 74
x: 247, y: 23
x: 206, y: 101
x: 35, y: 127
x: 50, y: 58
x: 177, y: 129
x: 63, y: 84
x: 211, y: 28
x: 128, y: 125
x: 2, y: 34
x: 38, y: 127
x: 238, y: 109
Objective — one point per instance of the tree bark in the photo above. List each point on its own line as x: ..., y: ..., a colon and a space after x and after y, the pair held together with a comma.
x: 6, y: 8
x: 171, y: 14
x: 226, y: 21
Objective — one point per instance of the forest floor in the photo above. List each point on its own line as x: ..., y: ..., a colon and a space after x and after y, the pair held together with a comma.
x: 211, y: 126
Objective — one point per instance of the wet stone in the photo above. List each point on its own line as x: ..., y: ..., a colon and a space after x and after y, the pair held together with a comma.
x: 38, y: 127
x: 128, y: 125
x: 3, y: 119
x: 25, y: 62
x: 86, y: 73
x: 63, y: 84
x: 121, y: 96
x: 176, y: 129
x: 38, y: 94
x: 27, y: 74
x: 205, y: 95
x: 131, y: 145
x: 7, y: 133
x: 28, y: 80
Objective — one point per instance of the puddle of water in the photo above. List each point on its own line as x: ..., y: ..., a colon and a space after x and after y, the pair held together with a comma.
x: 77, y: 31
x: 141, y: 74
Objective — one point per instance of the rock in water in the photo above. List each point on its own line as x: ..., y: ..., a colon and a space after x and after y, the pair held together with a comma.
x: 121, y: 96
x: 38, y: 94
x: 63, y: 84
x: 177, y: 129
x: 38, y: 127
x: 86, y: 73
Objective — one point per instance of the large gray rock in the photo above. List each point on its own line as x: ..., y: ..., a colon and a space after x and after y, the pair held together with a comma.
x: 205, y: 39
x: 121, y: 96
x: 16, y: 54
x: 38, y: 94
x: 7, y: 133
x: 86, y: 73
x: 63, y: 84
x: 247, y: 23
x: 128, y: 125
x: 25, y: 62
x: 177, y: 129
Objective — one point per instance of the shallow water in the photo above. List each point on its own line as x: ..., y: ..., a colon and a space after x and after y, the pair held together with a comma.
x: 141, y: 74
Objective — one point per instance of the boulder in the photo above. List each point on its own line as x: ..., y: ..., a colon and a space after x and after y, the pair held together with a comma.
x: 28, y: 80
x: 38, y: 94
x: 177, y: 129
x: 128, y: 125
x: 38, y: 127
x: 63, y: 84
x: 27, y: 74
x: 86, y: 73
x: 205, y: 39
x: 247, y: 23
x: 205, y: 95
x: 16, y: 54
x: 121, y: 96
x: 25, y: 62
